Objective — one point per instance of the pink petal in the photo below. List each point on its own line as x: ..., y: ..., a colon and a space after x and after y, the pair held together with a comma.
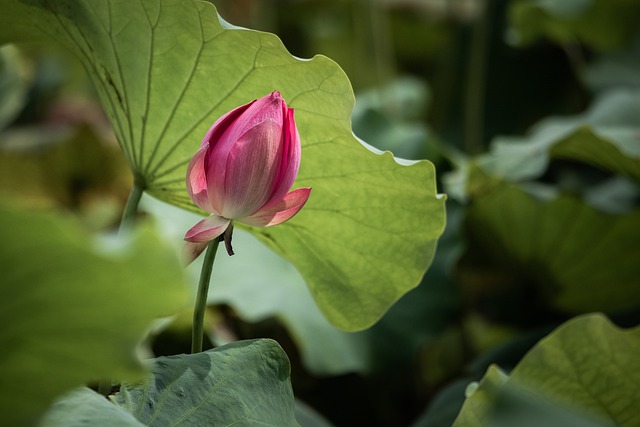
x: 197, y: 179
x: 214, y: 135
x: 279, y: 212
x: 207, y: 229
x: 251, y: 169
x: 220, y: 139
x: 191, y: 251
x: 290, y: 157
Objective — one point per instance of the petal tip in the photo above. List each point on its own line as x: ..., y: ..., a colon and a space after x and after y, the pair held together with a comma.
x: 191, y: 251
x: 280, y: 212
x: 207, y: 229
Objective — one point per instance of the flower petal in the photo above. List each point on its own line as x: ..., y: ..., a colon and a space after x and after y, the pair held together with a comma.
x: 279, y: 212
x: 220, y: 139
x: 222, y: 125
x: 251, y: 169
x: 207, y: 229
x: 239, y: 120
x: 289, y: 157
x: 197, y: 179
x: 191, y: 251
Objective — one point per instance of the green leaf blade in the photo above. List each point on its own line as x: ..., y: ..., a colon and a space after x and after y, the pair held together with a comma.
x: 243, y: 383
x: 73, y: 314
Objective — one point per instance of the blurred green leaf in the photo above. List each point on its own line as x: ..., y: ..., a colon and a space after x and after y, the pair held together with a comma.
x: 13, y: 85
x: 391, y: 118
x: 579, y: 258
x: 66, y: 166
x: 308, y: 417
x: 615, y: 195
x: 517, y: 406
x: 82, y: 407
x: 605, y: 136
x: 444, y: 407
x: 243, y: 383
x: 369, y: 230
x: 72, y: 314
x: 615, y: 69
x: 601, y: 24
x: 584, y: 374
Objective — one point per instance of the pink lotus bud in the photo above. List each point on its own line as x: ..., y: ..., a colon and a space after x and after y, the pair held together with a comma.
x: 244, y: 170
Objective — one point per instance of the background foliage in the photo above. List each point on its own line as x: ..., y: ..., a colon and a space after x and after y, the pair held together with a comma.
x: 528, y: 110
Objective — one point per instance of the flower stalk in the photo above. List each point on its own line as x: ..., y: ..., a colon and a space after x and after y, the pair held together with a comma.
x: 201, y: 297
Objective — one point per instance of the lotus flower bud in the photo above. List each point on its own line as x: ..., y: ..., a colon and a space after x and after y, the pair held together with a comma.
x: 244, y: 170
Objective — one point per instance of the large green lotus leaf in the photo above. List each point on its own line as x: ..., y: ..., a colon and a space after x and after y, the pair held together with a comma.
x: 579, y: 257
x: 71, y: 314
x: 605, y: 136
x: 585, y: 373
x: 601, y: 24
x: 167, y: 69
x: 82, y: 407
x: 243, y: 383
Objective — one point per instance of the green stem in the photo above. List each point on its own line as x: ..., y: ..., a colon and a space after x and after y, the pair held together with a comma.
x: 126, y: 223
x: 131, y: 208
x: 476, y: 79
x: 201, y: 298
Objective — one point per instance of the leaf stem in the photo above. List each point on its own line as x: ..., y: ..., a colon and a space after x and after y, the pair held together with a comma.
x: 126, y: 224
x: 131, y: 208
x: 476, y: 79
x: 201, y: 298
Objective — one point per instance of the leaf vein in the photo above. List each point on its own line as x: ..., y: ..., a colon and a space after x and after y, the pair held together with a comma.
x: 204, y: 117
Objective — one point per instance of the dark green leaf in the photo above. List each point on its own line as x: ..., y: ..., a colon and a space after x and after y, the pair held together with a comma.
x: 243, y: 383
x: 579, y: 258
x: 601, y: 24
